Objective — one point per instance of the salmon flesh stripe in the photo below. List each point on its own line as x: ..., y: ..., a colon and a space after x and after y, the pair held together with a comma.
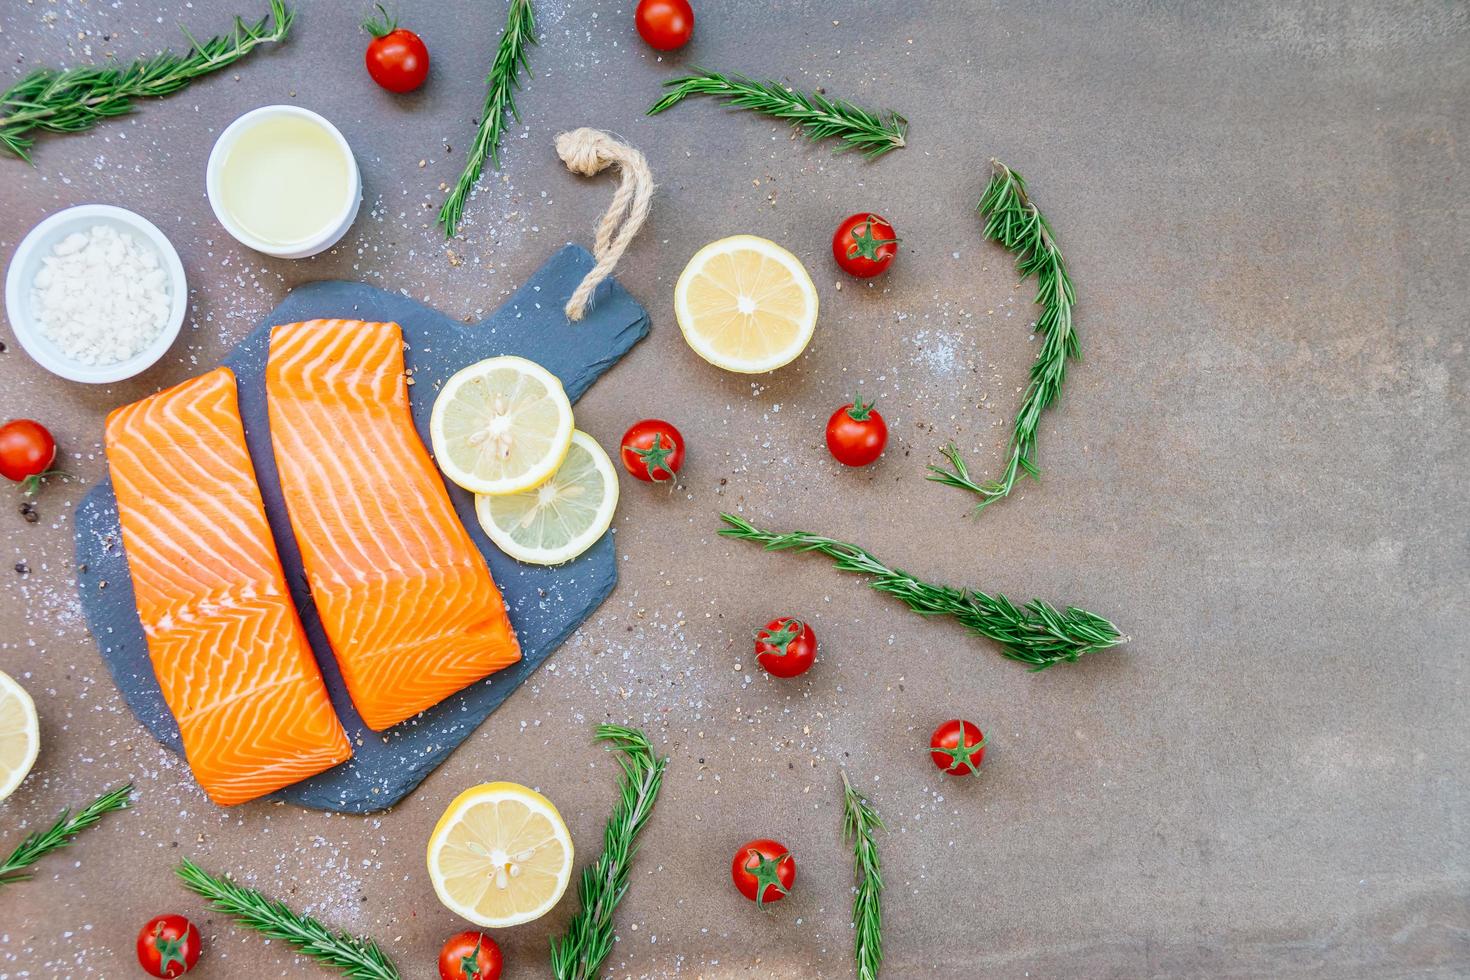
x: 404, y: 595
x: 223, y: 635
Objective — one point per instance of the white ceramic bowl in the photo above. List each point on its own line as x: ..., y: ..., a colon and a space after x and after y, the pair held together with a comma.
x: 330, y: 235
x: 27, y: 262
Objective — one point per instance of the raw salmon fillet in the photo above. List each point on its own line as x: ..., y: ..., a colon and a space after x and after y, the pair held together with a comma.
x: 223, y: 634
x: 404, y: 595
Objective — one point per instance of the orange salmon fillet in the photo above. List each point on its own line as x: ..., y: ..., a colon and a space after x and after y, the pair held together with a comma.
x: 226, y: 644
x: 404, y: 595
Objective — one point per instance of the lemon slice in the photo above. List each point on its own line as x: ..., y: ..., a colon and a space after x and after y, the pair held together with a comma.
x: 564, y: 516
x: 500, y: 855
x: 746, y: 304
x: 20, y: 734
x: 501, y: 426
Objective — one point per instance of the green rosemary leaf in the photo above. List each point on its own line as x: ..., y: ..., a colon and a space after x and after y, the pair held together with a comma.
x: 1012, y: 219
x: 60, y: 834
x: 75, y: 99
x: 504, y: 79
x: 579, y: 953
x: 819, y: 117
x: 1036, y: 634
x: 859, y: 820
x: 359, y: 959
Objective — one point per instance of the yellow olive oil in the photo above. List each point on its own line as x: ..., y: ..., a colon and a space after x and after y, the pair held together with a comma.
x: 285, y: 180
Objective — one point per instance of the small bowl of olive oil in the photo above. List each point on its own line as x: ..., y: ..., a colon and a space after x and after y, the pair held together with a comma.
x: 283, y: 180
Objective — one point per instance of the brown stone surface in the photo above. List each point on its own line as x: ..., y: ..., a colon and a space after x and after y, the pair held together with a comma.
x: 1258, y: 472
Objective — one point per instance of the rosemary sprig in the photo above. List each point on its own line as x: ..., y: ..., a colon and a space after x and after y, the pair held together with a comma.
x: 503, y: 80
x: 359, y: 959
x: 958, y: 475
x: 871, y: 133
x: 1036, y: 634
x: 74, y: 99
x: 60, y: 834
x: 1012, y: 219
x: 589, y: 938
x: 859, y: 820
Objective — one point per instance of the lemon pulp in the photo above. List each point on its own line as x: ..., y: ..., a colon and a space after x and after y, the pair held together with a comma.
x: 502, y: 425
x: 563, y: 517
x: 746, y: 304
x: 500, y: 855
x: 20, y: 734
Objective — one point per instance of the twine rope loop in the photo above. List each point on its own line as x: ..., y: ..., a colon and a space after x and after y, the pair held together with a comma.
x: 589, y: 152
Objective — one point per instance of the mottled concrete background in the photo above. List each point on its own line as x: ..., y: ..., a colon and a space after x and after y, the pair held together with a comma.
x: 1258, y: 472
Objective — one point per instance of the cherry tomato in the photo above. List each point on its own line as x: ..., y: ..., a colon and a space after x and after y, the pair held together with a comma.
x: 653, y: 450
x: 864, y: 245
x: 957, y: 747
x: 396, y: 57
x: 856, y: 433
x: 786, y: 647
x: 764, y: 871
x: 27, y: 451
x: 470, y: 956
x: 168, y: 946
x: 665, y: 24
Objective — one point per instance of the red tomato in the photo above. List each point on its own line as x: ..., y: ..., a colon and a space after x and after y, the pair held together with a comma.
x: 26, y: 451
x: 470, y: 956
x: 864, y: 245
x: 653, y: 450
x: 665, y: 24
x: 396, y: 58
x: 168, y: 946
x: 786, y: 647
x: 856, y: 433
x: 764, y: 871
x: 957, y: 747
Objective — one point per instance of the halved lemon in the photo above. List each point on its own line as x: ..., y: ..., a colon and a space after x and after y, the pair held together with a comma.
x: 20, y: 734
x: 564, y: 516
x: 500, y: 855
x: 746, y: 304
x: 502, y: 425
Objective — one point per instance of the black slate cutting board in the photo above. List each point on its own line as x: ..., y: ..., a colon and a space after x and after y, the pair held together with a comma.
x: 546, y: 604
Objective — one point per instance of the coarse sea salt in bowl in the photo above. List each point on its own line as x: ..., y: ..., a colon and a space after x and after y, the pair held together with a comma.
x: 96, y: 294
